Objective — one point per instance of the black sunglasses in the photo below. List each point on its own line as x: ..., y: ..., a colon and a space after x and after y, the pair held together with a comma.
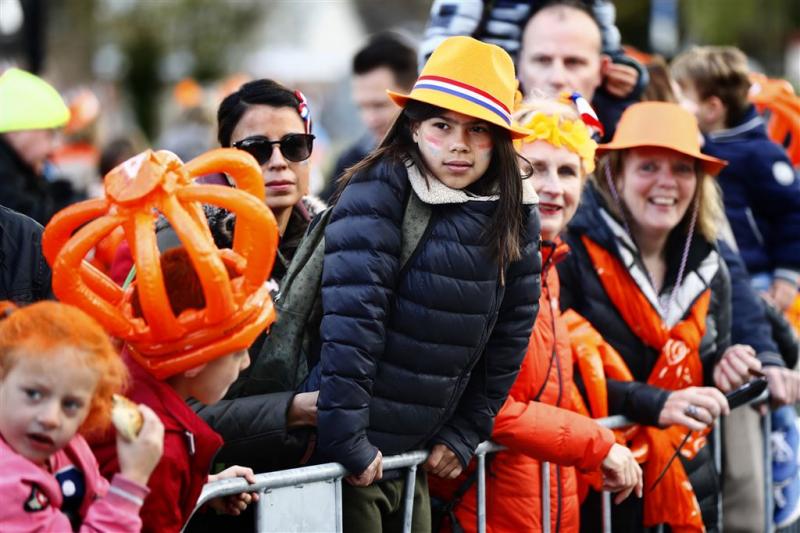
x: 294, y: 147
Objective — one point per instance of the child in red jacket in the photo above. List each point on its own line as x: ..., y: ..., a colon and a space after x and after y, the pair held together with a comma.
x: 58, y: 371
x: 189, y: 443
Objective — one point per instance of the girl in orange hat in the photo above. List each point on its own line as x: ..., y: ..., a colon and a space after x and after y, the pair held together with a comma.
x: 58, y: 371
x: 423, y: 355
x: 645, y: 273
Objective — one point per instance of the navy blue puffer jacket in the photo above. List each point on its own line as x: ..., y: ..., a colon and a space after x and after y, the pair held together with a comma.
x: 761, y: 192
x: 427, y: 354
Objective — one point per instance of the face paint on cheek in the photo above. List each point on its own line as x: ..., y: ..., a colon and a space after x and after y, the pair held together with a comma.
x: 433, y: 143
x: 485, y: 152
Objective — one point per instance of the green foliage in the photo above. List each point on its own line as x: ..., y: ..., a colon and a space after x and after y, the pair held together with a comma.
x: 761, y: 28
x: 205, y: 32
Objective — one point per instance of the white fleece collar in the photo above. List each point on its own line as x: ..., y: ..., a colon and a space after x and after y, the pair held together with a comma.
x: 434, y: 192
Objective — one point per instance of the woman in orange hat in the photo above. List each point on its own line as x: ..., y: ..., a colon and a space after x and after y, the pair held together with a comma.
x: 644, y: 272
x: 423, y: 355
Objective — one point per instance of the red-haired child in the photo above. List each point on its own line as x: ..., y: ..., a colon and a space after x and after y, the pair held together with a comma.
x: 58, y: 371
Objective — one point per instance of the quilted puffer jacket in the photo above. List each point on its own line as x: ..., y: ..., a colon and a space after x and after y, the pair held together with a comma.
x: 426, y: 354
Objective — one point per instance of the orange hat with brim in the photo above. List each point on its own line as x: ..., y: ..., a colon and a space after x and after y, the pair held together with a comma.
x: 469, y: 77
x: 661, y: 125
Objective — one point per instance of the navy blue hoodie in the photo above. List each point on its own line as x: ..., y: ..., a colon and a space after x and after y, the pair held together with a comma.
x: 762, y: 197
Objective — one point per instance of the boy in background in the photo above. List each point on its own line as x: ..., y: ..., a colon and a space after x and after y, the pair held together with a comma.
x: 761, y: 194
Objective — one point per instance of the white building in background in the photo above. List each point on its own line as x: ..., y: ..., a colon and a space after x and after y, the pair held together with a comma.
x: 306, y: 41
x: 309, y: 45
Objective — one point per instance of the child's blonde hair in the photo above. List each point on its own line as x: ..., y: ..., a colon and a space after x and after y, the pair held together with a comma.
x: 39, y: 329
x: 720, y: 71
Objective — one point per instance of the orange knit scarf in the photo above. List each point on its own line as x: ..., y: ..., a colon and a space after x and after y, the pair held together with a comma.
x: 672, y: 501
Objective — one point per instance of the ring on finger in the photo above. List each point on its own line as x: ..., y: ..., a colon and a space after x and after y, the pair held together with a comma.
x: 692, y: 411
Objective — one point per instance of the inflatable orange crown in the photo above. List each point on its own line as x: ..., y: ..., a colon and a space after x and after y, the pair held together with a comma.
x: 237, y: 309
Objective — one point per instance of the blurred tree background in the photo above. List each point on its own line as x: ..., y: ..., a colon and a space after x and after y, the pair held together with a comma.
x: 761, y: 28
x: 149, y: 44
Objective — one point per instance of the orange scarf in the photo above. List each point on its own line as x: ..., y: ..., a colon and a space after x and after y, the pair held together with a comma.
x: 672, y: 501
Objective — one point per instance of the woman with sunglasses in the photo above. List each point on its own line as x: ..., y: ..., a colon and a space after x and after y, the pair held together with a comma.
x: 269, y: 430
x: 273, y: 124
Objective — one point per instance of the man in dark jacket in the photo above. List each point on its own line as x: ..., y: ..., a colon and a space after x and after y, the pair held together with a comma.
x: 32, y: 113
x: 386, y: 62
x: 24, y: 274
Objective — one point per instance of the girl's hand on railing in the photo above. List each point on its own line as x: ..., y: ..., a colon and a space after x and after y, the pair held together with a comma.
x: 443, y: 462
x: 733, y: 370
x: 235, y: 503
x: 373, y: 472
x: 694, y: 408
x: 621, y: 473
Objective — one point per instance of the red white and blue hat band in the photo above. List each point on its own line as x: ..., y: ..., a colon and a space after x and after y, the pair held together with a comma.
x: 466, y: 92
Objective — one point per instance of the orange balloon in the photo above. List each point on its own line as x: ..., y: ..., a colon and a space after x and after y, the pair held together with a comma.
x: 237, y: 309
x: 777, y: 97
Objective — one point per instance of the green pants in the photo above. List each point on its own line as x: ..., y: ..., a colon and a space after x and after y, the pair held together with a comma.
x: 379, y: 508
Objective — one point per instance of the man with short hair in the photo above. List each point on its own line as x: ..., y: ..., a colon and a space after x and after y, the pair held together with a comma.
x: 387, y: 61
x: 574, y: 43
x: 562, y: 52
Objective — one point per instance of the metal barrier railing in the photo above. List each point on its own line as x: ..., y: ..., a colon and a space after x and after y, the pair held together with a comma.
x: 287, y: 495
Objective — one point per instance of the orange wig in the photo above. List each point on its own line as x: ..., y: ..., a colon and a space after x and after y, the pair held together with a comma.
x: 43, y: 327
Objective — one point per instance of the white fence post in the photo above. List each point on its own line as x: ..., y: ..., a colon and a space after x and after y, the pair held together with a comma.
x: 408, y: 506
x: 545, y: 497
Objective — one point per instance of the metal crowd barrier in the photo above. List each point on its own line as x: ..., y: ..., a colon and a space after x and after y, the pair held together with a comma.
x: 309, y: 498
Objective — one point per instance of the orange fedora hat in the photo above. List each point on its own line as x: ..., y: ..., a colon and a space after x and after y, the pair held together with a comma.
x: 469, y: 77
x: 662, y: 125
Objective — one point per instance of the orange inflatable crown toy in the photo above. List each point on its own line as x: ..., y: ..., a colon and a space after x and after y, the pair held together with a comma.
x: 237, y: 309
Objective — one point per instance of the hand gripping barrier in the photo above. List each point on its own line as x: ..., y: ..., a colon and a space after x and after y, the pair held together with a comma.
x: 310, y: 498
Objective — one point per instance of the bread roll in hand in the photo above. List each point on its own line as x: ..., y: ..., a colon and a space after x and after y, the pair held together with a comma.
x: 126, y: 417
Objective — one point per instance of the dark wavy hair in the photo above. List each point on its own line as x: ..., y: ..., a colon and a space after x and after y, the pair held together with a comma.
x: 502, y: 177
x: 257, y: 92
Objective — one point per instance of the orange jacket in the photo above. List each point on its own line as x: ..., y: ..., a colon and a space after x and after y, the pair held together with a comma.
x: 537, y: 430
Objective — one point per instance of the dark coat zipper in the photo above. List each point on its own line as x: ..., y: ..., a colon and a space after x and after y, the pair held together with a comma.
x: 451, y: 406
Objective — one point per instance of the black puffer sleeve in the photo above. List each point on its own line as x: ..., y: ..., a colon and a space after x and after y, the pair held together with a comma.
x: 362, y: 250
x: 254, y: 430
